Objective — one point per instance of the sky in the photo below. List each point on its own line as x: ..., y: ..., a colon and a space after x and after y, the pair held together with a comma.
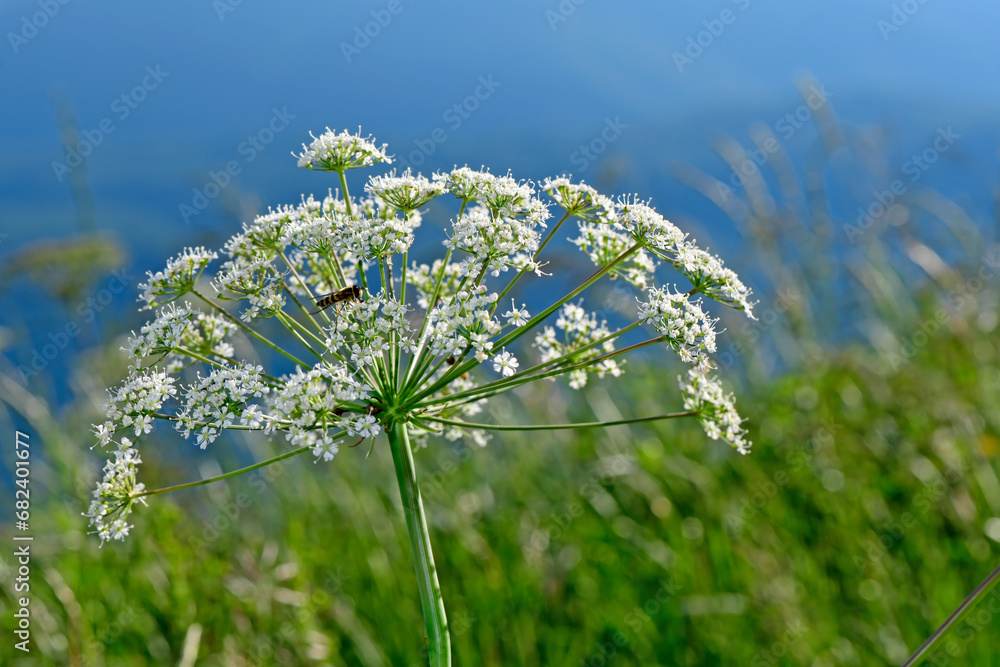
x: 171, y: 97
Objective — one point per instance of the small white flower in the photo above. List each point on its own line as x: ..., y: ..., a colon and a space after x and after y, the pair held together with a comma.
x: 252, y: 417
x: 517, y: 316
x: 505, y: 363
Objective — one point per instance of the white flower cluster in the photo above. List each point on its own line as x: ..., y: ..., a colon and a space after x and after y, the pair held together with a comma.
x: 216, y: 401
x: 708, y: 275
x: 688, y: 329
x: 493, y: 242
x: 716, y: 409
x: 502, y: 231
x: 162, y: 335
x: 265, y: 302
x: 333, y: 151
x: 579, y: 200
x: 580, y: 330
x: 312, y: 403
x: 604, y: 242
x: 374, y: 237
x: 425, y: 277
x: 464, y: 319
x: 115, y: 494
x: 135, y: 402
x: 181, y: 328
x: 178, y: 278
x: 395, y: 344
x: 406, y: 192
x: 656, y: 234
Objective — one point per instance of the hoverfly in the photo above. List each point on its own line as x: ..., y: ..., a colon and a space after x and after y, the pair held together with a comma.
x: 345, y: 295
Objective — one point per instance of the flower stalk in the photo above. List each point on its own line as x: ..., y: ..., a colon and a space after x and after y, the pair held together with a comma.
x: 431, y: 600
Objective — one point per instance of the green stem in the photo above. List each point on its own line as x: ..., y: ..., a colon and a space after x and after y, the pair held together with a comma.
x: 241, y: 325
x: 431, y: 601
x: 227, y: 475
x: 533, y: 257
x: 974, y: 597
x: 305, y: 287
x: 556, y: 427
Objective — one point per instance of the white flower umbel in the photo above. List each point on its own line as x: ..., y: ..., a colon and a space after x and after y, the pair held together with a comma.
x: 115, y: 494
x: 406, y: 192
x: 711, y: 278
x: 580, y: 339
x: 686, y: 327
x: 579, y: 200
x: 337, y: 151
x: 177, y: 279
x: 320, y: 329
x: 716, y: 410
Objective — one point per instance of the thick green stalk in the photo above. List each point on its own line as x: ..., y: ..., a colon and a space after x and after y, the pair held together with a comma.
x: 431, y: 601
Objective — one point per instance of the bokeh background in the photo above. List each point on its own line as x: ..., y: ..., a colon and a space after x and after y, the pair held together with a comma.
x: 842, y: 157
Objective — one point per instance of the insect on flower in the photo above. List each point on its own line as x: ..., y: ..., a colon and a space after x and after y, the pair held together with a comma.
x: 345, y: 295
